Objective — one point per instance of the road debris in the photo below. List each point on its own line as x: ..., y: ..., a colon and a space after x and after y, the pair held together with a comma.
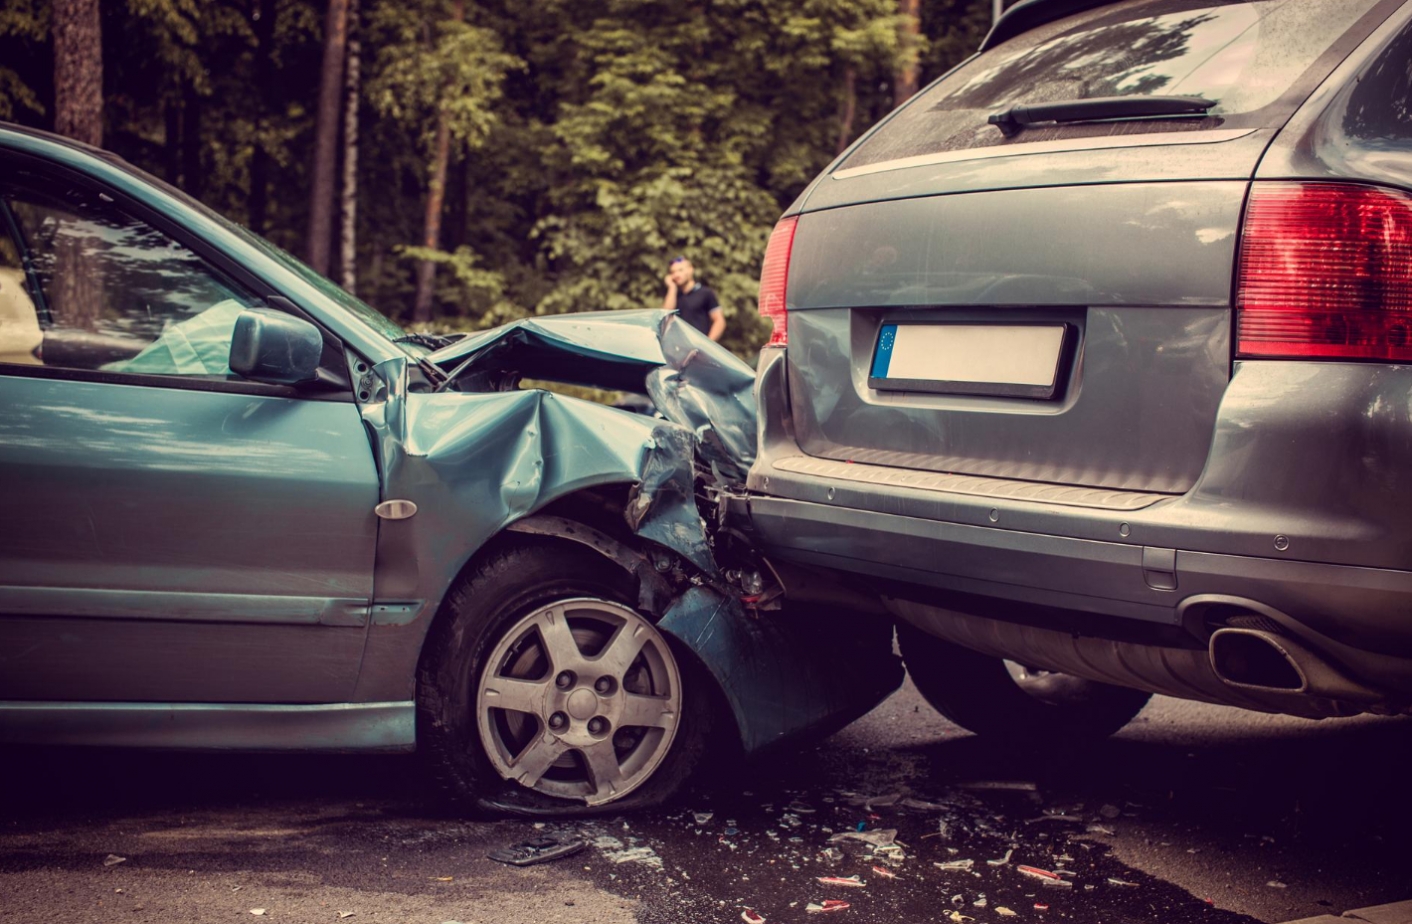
x: 1276, y: 884
x: 113, y: 859
x: 1005, y: 912
x: 258, y: 912
x: 828, y: 906
x: 999, y: 785
x: 878, y: 837
x: 752, y: 917
x: 1054, y: 880
x: 643, y: 855
x: 957, y: 865
x: 539, y: 850
x: 1100, y: 829
x: 884, y: 872
x: 1123, y: 883
x: 1003, y: 861
x: 852, y: 882
x: 346, y: 914
x: 1110, y: 811
x: 958, y: 917
x: 431, y: 878
x: 703, y: 818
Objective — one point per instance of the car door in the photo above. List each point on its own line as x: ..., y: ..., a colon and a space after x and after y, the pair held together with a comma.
x: 169, y: 532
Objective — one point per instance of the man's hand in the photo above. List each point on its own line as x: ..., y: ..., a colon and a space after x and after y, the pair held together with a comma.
x: 671, y: 283
x: 669, y: 303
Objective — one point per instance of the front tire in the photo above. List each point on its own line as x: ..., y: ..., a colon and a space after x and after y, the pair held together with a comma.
x: 984, y: 695
x: 543, y: 690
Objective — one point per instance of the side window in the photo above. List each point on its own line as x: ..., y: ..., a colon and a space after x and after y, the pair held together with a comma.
x: 113, y: 293
x: 1379, y: 109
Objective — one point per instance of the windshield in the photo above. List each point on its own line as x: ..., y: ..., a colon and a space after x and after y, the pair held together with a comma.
x: 1242, y: 55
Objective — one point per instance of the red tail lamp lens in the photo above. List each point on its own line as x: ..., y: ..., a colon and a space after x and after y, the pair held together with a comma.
x: 774, y: 279
x: 1326, y: 271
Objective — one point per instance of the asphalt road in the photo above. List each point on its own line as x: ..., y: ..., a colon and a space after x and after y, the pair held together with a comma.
x: 1215, y: 816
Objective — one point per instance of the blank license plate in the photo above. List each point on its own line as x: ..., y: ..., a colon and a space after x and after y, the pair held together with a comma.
x: 1020, y: 360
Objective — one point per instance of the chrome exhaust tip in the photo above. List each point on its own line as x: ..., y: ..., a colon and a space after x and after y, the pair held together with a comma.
x: 1253, y: 659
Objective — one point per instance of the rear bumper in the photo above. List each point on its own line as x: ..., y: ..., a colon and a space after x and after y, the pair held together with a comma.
x: 1157, y: 562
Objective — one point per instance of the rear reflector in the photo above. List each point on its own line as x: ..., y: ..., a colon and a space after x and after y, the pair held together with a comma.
x: 1325, y: 271
x: 774, y: 279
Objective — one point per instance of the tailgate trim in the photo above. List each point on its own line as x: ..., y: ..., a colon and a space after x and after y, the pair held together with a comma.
x: 973, y: 485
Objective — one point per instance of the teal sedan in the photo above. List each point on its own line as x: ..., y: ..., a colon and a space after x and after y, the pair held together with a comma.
x: 243, y: 510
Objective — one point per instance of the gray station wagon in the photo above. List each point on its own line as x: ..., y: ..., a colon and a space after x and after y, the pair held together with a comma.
x: 1094, y: 363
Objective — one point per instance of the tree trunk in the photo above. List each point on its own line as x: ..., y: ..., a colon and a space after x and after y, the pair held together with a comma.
x: 904, y: 82
x: 191, y: 174
x: 348, y: 232
x: 258, y: 205
x: 325, y: 168
x: 848, y: 110
x: 436, y: 197
x: 78, y: 70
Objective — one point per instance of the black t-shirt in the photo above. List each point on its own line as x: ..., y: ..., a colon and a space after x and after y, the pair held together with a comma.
x: 696, y: 306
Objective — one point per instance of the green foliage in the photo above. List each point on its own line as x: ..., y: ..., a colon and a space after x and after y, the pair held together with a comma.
x: 592, y: 140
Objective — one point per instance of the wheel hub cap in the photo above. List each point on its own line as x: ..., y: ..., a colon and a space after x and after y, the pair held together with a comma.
x: 634, y: 722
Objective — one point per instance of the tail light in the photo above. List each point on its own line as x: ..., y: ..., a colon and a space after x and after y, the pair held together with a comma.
x: 774, y: 279
x: 1325, y: 271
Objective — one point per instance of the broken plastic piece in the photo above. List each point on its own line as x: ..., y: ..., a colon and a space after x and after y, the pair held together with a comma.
x: 1005, y: 912
x: 703, y: 818
x: 751, y: 917
x: 113, y: 859
x: 884, y: 872
x: 1040, y: 906
x: 958, y: 917
x: 1121, y: 882
x: 1276, y: 884
x: 951, y: 865
x: 346, y: 914
x: 828, y: 906
x: 852, y: 882
x: 539, y: 850
x: 878, y: 837
x: 257, y: 911
x: 1053, y: 880
x: 1003, y: 860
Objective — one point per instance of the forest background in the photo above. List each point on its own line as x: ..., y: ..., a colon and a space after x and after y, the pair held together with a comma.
x: 461, y: 163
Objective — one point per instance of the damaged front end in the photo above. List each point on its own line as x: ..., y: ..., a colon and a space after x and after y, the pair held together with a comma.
x: 785, y: 667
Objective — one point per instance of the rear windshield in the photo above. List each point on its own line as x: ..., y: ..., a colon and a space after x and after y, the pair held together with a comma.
x: 1242, y: 55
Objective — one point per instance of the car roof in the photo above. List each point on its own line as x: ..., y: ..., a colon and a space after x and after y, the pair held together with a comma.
x: 67, y: 142
x: 1030, y: 14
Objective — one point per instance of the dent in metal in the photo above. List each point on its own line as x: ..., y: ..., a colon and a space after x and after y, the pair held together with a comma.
x: 479, y: 456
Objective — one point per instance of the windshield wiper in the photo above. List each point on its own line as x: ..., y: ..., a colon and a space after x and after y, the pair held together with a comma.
x: 1017, y: 117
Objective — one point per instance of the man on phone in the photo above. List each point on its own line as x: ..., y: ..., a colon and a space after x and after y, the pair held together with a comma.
x: 695, y: 302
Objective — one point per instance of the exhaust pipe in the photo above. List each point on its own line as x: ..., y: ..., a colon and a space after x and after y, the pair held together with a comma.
x: 1252, y: 659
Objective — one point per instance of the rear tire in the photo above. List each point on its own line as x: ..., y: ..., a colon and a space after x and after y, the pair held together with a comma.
x: 982, y: 695
x: 611, y: 716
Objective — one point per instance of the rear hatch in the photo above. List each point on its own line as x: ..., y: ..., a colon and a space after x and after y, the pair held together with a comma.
x: 1052, y: 302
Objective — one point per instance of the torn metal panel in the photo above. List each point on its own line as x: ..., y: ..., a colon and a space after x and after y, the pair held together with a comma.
x: 788, y: 672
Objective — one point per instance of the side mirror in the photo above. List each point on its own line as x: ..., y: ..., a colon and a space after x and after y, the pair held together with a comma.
x: 271, y: 346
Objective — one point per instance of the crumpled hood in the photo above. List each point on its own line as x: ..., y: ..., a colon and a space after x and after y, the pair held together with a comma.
x: 694, y: 382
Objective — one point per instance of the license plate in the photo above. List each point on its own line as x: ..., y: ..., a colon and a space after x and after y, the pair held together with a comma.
x: 1009, y: 360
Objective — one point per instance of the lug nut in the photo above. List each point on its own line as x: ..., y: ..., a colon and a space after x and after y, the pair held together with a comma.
x: 558, y: 720
x: 604, y: 685
x: 564, y: 680
x: 597, y: 726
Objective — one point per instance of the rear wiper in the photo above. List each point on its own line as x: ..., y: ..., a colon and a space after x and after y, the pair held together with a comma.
x: 1012, y: 120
